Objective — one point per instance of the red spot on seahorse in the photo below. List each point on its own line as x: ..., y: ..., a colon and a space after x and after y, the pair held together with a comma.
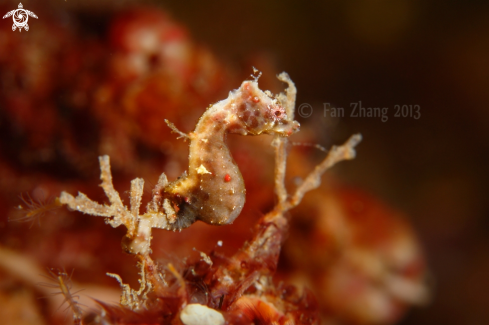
x: 227, y: 178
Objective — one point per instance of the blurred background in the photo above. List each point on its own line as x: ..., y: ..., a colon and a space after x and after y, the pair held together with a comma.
x: 63, y: 81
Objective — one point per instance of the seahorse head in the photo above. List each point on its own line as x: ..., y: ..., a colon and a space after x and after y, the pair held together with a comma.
x: 257, y: 112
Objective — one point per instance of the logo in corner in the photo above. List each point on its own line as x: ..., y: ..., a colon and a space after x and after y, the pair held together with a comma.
x: 20, y: 16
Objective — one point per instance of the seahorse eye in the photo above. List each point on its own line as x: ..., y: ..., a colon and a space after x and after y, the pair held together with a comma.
x: 277, y: 113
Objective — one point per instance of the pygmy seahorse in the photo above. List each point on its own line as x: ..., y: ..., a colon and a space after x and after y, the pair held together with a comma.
x: 213, y: 190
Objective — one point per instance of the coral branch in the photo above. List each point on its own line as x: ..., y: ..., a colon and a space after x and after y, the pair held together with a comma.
x: 83, y: 204
x: 106, y: 177
x: 130, y: 297
x: 290, y: 96
x: 313, y: 180
x: 137, y: 187
x: 280, y: 167
x: 119, y: 213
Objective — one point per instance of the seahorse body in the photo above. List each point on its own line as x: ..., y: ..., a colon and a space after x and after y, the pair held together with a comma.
x: 213, y: 191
